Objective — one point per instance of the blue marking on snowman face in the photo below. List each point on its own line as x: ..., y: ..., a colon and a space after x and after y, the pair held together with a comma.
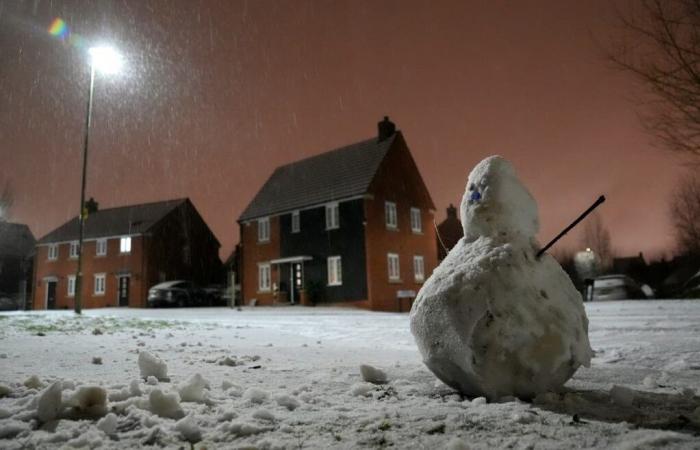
x: 475, y: 195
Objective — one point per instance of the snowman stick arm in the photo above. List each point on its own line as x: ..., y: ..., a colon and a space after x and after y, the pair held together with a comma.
x: 597, y: 203
x: 437, y: 233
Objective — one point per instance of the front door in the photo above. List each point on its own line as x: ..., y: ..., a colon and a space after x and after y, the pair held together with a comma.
x: 50, y: 295
x: 297, y: 275
x: 123, y: 291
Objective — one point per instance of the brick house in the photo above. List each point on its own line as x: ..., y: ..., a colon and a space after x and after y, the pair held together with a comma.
x: 126, y: 250
x: 351, y: 226
x: 16, y: 250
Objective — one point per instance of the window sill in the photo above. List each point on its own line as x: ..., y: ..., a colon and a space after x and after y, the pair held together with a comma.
x: 334, y: 228
x: 125, y: 253
x: 102, y: 294
x: 334, y: 284
x: 264, y: 291
x: 100, y: 256
x: 263, y: 242
x: 419, y: 232
x: 395, y: 280
x: 392, y: 228
x: 419, y: 281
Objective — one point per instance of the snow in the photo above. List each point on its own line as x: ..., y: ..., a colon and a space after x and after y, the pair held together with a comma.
x: 410, y: 410
x: 49, y: 404
x: 193, y: 390
x: 372, y: 374
x: 493, y: 319
x: 152, y: 366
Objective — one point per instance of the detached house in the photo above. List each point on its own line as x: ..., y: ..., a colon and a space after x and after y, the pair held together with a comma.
x: 126, y: 250
x: 350, y: 226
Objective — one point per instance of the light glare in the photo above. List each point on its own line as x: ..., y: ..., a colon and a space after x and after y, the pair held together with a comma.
x: 105, y: 59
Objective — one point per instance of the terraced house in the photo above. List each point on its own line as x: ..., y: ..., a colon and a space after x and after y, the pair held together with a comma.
x: 350, y: 226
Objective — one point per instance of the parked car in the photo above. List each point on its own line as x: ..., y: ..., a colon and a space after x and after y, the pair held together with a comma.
x: 177, y: 293
x: 691, y: 288
x: 619, y: 287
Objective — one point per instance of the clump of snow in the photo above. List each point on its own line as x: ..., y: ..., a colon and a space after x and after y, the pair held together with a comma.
x: 152, y: 381
x: 4, y: 390
x: 151, y: 365
x: 255, y: 395
x: 11, y: 428
x: 479, y: 401
x: 96, y: 360
x: 493, y: 320
x: 242, y: 429
x: 228, y: 361
x: 193, y: 389
x: 264, y: 414
x: 622, y: 396
x: 33, y: 382
x: 89, y: 401
x: 188, y: 428
x: 361, y: 389
x: 457, y: 444
x: 49, y: 404
x: 165, y: 405
x: 372, y: 374
x: 108, y: 424
x: 287, y: 401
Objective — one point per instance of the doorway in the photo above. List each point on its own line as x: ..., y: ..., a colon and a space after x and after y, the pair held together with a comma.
x: 123, y: 291
x: 297, y: 281
x: 51, y: 294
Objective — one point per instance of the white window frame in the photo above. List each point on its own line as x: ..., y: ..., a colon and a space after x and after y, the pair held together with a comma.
x: 101, y: 247
x: 332, y: 216
x: 393, y: 262
x: 100, y: 284
x: 335, y: 271
x: 264, y: 277
x: 125, y: 244
x: 52, y: 254
x: 390, y: 216
x: 296, y: 222
x: 416, y: 221
x: 418, y: 268
x: 70, y: 287
x: 264, y: 229
x: 73, y: 250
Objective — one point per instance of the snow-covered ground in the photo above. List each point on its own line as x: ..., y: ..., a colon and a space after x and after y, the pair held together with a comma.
x: 290, y: 378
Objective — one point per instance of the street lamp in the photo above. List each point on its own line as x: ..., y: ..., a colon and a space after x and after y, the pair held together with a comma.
x: 107, y: 61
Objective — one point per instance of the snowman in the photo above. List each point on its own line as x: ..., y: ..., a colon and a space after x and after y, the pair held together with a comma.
x: 493, y: 319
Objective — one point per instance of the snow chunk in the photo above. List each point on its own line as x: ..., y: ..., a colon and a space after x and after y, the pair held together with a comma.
x: 189, y: 429
x: 228, y: 361
x: 108, y: 424
x: 457, y: 444
x: 193, y: 389
x: 361, y: 389
x: 152, y: 381
x: 264, y: 414
x: 11, y: 428
x: 479, y: 401
x: 243, y: 429
x: 287, y: 401
x: 89, y: 401
x: 4, y: 390
x: 151, y: 365
x: 49, y: 404
x: 165, y: 405
x: 372, y: 374
x: 255, y: 395
x: 33, y: 382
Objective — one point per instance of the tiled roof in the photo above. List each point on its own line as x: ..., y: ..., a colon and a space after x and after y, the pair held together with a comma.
x: 334, y: 175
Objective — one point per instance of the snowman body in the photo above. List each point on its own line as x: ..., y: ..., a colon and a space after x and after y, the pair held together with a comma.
x: 493, y: 319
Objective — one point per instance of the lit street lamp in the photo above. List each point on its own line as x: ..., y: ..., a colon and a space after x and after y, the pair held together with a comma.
x: 107, y: 61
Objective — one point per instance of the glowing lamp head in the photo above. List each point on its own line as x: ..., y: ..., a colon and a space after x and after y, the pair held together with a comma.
x: 105, y: 60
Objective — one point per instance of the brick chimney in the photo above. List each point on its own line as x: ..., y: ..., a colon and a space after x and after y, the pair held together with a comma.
x: 451, y: 212
x: 386, y: 128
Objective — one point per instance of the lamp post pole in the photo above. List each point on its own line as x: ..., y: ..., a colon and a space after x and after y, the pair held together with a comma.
x: 82, y: 213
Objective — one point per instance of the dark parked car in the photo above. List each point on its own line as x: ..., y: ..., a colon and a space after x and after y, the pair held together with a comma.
x: 691, y: 288
x: 619, y: 287
x: 177, y: 293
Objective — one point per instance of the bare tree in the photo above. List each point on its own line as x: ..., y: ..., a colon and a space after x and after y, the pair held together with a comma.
x: 661, y: 47
x: 597, y: 237
x: 6, y: 200
x: 685, y: 214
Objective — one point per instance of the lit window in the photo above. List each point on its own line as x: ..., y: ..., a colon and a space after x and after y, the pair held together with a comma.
x: 53, y: 252
x: 335, y: 271
x: 101, y: 247
x: 100, y: 284
x: 390, y: 214
x: 125, y: 245
x: 295, y: 222
x: 71, y: 286
x: 418, y: 268
x: 74, y: 249
x: 393, y: 265
x: 264, y: 277
x: 416, y: 223
x: 264, y: 229
x: 332, y: 216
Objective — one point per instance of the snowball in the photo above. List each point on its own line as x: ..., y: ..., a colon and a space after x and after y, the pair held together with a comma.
x: 255, y: 395
x: 108, y: 424
x: 152, y: 381
x: 33, y: 382
x: 151, y: 365
x: 479, y: 401
x: 288, y: 402
x: 49, y: 404
x: 189, y: 429
x: 89, y: 401
x: 193, y: 389
x: 372, y: 374
x: 493, y: 320
x: 165, y: 405
x: 361, y: 389
x: 264, y: 414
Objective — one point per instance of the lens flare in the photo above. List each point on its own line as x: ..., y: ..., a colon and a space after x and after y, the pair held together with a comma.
x: 59, y: 29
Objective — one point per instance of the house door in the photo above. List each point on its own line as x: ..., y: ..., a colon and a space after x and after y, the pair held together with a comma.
x: 51, y: 295
x: 123, y: 291
x: 297, y: 281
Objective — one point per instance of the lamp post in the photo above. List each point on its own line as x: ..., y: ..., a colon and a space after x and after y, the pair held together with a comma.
x: 107, y: 61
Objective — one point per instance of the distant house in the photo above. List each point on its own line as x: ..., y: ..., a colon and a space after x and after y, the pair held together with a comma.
x: 126, y: 250
x: 449, y: 232
x: 633, y: 266
x: 351, y: 226
x: 16, y: 250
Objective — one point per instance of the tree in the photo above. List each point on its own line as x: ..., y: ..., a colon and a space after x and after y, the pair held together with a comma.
x: 661, y: 48
x: 6, y: 200
x: 685, y: 214
x: 597, y: 237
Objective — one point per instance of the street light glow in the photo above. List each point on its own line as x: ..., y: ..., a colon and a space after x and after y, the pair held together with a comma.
x: 105, y: 59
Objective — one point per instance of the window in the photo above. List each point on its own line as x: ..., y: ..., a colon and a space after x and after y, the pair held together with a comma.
x: 418, y: 268
x: 73, y: 249
x: 335, y: 271
x: 295, y: 222
x: 101, y: 247
x: 264, y: 229
x: 332, y: 216
x: 390, y: 214
x: 416, y: 223
x: 393, y: 264
x: 100, y: 284
x: 71, y: 286
x: 125, y: 245
x: 264, y: 277
x: 53, y: 252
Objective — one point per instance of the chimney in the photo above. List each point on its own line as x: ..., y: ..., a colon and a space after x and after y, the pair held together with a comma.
x: 91, y: 206
x: 451, y: 212
x: 386, y: 129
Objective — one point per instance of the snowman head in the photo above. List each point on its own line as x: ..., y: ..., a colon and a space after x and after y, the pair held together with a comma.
x: 497, y: 204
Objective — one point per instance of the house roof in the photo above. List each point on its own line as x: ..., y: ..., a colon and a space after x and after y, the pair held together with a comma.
x: 341, y: 173
x: 15, y: 239
x: 123, y: 220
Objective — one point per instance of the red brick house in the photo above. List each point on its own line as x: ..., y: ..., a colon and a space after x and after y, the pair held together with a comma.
x: 352, y: 226
x: 126, y: 250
